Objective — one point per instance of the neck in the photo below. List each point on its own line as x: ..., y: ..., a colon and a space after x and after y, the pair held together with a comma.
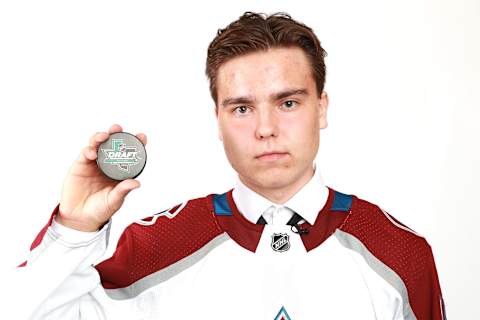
x: 280, y: 195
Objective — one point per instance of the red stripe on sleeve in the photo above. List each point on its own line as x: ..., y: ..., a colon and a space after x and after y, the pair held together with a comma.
x: 41, y: 234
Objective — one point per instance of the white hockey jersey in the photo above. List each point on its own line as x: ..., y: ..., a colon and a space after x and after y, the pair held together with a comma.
x: 204, y: 260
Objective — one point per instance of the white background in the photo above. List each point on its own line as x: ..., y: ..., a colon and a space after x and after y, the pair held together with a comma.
x: 403, y: 81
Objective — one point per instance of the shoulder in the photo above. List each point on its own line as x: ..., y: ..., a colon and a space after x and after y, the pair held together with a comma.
x: 383, y: 219
x: 174, y: 233
x: 380, y: 220
x: 160, y: 240
x: 190, y: 216
x: 191, y: 221
x: 395, y: 252
x: 373, y: 232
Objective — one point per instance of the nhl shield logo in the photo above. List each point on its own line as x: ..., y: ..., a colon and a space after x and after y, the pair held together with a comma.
x: 280, y: 242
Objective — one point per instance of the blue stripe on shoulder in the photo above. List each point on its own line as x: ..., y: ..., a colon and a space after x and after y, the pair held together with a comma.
x: 220, y: 205
x: 341, y: 202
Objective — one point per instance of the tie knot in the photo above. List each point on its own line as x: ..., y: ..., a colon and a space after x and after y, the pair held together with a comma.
x: 276, y: 215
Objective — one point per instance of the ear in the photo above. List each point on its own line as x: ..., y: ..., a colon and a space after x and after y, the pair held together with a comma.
x: 323, y: 108
x: 220, y: 137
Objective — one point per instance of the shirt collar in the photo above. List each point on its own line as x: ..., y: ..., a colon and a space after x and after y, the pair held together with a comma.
x: 307, y: 202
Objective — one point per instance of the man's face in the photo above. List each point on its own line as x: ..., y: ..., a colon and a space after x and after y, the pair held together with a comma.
x: 267, y: 102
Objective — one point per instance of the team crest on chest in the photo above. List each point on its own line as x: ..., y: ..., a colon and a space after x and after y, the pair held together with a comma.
x: 282, y: 315
x: 280, y: 242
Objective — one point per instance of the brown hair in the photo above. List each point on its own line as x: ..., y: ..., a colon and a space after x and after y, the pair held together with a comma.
x: 258, y: 31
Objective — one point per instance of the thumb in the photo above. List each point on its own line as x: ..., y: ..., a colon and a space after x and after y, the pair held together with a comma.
x: 117, y: 195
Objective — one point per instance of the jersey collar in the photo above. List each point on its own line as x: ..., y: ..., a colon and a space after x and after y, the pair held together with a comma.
x: 335, y: 212
x: 307, y: 202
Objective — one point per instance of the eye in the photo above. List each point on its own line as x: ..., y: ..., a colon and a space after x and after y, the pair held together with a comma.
x: 240, y: 110
x: 290, y: 104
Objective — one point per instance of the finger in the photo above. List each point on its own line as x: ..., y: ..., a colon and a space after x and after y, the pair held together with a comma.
x: 97, y: 139
x: 87, y: 154
x: 142, y: 137
x: 115, y: 128
x: 117, y: 195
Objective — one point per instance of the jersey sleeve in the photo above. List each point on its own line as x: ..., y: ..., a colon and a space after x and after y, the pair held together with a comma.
x: 428, y: 294
x: 61, y: 280
x: 425, y: 293
x: 155, y: 249
x: 58, y: 276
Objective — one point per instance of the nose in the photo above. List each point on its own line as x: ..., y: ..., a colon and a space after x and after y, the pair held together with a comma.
x: 266, y: 125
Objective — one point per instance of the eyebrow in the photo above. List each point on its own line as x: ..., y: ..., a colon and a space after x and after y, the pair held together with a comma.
x: 273, y: 97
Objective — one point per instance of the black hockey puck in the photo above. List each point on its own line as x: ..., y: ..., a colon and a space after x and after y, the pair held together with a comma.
x: 122, y: 156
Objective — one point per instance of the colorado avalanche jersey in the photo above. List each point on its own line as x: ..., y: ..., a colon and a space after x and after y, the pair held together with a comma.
x: 203, y: 259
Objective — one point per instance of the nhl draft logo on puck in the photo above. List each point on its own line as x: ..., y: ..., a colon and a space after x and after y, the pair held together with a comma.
x: 122, y: 156
x: 280, y: 242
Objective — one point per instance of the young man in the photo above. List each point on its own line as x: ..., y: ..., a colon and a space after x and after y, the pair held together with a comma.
x: 280, y: 245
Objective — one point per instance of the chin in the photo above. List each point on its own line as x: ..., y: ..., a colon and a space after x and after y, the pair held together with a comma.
x: 266, y: 176
x: 272, y: 178
x: 275, y: 184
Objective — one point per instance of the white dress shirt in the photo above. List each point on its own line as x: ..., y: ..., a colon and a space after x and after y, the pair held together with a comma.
x: 307, y: 202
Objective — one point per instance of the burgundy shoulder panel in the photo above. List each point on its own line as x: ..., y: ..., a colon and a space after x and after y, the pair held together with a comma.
x: 157, y: 242
x: 404, y: 251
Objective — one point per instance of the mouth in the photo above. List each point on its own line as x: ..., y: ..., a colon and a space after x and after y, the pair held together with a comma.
x: 272, y: 156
